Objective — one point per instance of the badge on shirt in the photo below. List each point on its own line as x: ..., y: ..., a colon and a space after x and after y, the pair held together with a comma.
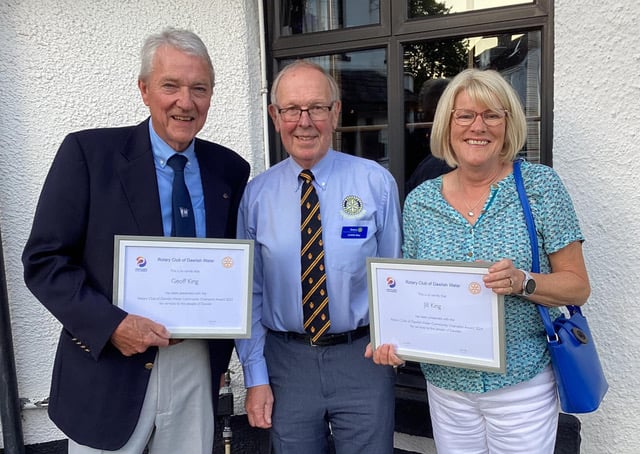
x: 352, y: 207
x: 354, y: 232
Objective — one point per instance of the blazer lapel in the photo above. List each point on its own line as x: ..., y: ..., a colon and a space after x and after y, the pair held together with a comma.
x: 217, y: 193
x: 139, y: 181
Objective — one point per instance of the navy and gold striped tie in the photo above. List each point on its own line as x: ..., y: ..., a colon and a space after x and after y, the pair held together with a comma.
x: 315, y: 300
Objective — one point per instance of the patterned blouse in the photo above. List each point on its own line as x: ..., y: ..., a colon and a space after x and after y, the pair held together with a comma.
x: 434, y: 230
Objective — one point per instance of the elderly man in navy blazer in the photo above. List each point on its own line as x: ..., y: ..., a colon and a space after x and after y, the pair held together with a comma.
x: 119, y: 382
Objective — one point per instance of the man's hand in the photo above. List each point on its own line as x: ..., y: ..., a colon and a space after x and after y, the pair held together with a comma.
x: 135, y: 334
x: 259, y: 404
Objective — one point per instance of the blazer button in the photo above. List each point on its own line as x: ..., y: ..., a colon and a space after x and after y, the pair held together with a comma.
x: 148, y: 366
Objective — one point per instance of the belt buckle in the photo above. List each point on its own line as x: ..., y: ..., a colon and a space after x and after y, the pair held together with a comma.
x: 311, y: 342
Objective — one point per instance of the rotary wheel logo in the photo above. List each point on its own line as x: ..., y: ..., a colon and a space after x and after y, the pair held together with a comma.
x: 227, y: 262
x: 352, y: 206
x: 475, y: 288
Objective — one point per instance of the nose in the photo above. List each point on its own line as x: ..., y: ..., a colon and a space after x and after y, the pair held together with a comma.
x: 184, y: 99
x: 478, y: 122
x: 305, y: 118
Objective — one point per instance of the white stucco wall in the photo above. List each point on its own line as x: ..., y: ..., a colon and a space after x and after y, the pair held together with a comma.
x: 72, y: 64
x: 596, y: 126
x: 67, y: 65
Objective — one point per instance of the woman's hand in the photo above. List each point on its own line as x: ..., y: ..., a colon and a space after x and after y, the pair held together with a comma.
x: 504, y: 278
x: 385, y: 355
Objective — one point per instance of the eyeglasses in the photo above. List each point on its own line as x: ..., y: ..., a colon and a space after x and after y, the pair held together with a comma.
x: 465, y: 117
x: 316, y: 113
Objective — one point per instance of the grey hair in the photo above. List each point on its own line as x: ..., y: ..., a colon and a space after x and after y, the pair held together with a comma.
x: 183, y: 40
x: 333, y: 85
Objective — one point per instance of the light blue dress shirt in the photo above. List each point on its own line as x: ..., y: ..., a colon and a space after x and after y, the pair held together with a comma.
x: 360, y: 213
x: 161, y: 153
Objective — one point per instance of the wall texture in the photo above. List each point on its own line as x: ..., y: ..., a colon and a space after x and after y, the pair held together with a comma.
x: 72, y: 64
x: 67, y: 65
x: 596, y: 126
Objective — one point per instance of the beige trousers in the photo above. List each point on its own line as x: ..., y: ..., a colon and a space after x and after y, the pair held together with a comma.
x: 177, y: 414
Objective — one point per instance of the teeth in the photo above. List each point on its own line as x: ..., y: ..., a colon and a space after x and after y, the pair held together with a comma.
x: 178, y: 117
x: 477, y: 142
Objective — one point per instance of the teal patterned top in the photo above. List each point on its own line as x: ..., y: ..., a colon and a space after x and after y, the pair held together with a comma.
x: 434, y: 230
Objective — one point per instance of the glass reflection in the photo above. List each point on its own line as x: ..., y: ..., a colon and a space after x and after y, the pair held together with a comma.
x: 307, y: 16
x: 429, y: 65
x: 422, y: 8
x: 362, y: 78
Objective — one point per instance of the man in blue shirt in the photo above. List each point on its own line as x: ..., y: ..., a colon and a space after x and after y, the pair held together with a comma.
x: 120, y: 383
x: 303, y: 389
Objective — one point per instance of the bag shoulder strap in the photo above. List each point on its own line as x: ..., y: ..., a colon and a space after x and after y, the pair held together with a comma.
x: 533, y: 239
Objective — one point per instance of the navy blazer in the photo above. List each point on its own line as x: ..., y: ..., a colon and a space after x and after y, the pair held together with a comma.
x: 103, y: 182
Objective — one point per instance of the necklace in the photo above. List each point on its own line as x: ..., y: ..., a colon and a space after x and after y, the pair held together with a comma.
x: 471, y: 210
x: 471, y: 213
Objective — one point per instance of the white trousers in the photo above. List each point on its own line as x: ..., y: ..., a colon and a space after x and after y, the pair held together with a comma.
x: 517, y: 419
x: 177, y: 414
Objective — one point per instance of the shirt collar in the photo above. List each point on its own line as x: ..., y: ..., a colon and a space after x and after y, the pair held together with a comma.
x: 321, y: 170
x: 162, y: 151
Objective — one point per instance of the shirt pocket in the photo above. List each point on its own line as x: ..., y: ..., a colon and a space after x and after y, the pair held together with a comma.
x: 356, y: 241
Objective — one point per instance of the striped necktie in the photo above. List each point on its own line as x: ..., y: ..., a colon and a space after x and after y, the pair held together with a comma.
x: 182, y: 221
x: 315, y: 300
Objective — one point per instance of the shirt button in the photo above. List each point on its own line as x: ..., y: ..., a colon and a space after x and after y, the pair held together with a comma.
x: 470, y: 254
x: 148, y: 366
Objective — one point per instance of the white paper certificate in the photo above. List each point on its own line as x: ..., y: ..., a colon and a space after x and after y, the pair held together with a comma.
x: 196, y: 287
x: 436, y: 312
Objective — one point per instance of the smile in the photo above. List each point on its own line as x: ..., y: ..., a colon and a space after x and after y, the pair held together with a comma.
x: 477, y: 142
x: 181, y: 118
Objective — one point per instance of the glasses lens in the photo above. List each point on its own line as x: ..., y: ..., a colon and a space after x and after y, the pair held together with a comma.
x: 464, y: 117
x: 290, y: 114
x: 319, y: 112
x: 492, y: 117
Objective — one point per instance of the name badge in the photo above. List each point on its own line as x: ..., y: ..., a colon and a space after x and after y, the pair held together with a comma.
x: 354, y: 232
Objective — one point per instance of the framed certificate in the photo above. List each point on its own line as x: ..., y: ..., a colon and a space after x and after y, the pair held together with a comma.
x: 195, y: 287
x: 437, y: 312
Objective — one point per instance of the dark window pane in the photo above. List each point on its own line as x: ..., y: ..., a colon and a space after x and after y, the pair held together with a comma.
x: 423, y: 8
x: 362, y: 77
x: 307, y: 16
x: 430, y: 64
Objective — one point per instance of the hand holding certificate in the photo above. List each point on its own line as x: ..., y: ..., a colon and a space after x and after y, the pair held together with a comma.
x: 195, y: 287
x: 436, y: 312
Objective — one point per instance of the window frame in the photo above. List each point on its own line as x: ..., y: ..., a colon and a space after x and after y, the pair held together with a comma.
x: 393, y: 32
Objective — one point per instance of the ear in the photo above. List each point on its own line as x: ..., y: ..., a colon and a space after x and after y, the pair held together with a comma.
x: 335, y: 114
x: 144, y: 91
x: 273, y: 113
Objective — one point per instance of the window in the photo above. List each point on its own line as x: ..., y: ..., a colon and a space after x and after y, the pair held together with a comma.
x: 392, y: 59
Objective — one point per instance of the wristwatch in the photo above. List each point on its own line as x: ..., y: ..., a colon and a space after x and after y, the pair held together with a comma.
x: 528, y: 284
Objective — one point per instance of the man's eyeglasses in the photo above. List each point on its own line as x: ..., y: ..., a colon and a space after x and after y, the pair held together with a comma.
x: 316, y: 113
x: 465, y: 117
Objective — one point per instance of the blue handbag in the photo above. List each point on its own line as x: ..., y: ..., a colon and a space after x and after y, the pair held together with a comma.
x: 574, y: 358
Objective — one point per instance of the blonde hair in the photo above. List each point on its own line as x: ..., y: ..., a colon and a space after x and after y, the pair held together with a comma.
x: 486, y: 87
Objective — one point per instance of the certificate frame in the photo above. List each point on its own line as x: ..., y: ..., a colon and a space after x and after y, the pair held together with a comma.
x: 196, y: 287
x: 409, y: 307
